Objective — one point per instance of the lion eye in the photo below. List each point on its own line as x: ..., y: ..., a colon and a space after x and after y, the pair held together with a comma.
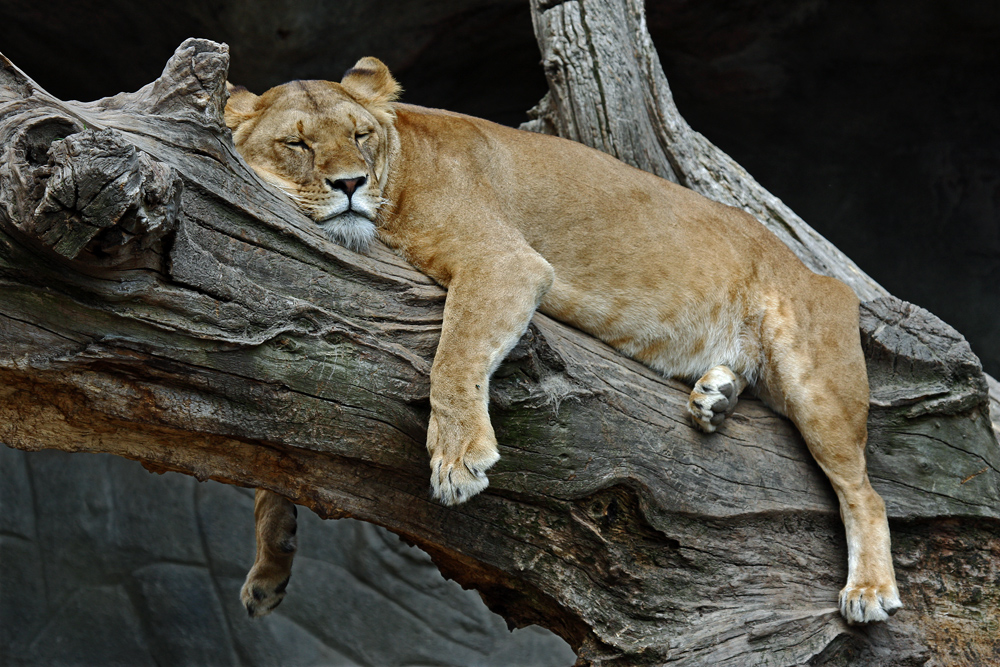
x: 296, y: 143
x: 361, y: 136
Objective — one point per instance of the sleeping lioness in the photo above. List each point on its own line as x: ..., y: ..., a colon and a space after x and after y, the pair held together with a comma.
x: 510, y: 222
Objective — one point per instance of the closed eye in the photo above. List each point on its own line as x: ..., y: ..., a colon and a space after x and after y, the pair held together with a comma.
x: 297, y: 143
x: 361, y: 136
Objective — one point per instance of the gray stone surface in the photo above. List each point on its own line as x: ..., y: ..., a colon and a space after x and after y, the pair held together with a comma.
x: 103, y: 563
x: 182, y: 615
x: 92, y: 625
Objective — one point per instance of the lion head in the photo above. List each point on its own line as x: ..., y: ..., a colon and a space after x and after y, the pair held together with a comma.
x: 327, y: 145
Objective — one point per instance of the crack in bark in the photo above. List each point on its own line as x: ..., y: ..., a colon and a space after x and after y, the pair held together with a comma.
x: 953, y: 446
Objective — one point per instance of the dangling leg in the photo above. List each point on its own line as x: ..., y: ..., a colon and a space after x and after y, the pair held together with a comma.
x: 817, y: 377
x: 714, y: 397
x: 485, y: 314
x: 275, y: 523
x: 871, y: 593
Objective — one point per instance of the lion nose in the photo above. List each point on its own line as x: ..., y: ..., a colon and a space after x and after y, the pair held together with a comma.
x: 348, y: 185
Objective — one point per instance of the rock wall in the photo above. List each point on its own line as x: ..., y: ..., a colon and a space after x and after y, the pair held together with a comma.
x: 104, y: 563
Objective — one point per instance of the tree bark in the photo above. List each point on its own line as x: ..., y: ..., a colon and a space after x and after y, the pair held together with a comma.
x: 160, y: 303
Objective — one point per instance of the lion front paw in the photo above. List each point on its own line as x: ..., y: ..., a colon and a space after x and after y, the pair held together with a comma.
x: 714, y: 398
x: 867, y: 604
x: 459, y: 460
x: 454, y: 482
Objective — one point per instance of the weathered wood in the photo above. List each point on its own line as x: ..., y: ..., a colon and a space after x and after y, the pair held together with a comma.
x: 255, y: 352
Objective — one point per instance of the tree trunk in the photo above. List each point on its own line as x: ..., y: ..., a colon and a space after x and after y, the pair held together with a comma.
x: 161, y: 304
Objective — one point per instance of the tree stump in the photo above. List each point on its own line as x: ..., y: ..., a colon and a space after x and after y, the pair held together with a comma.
x: 160, y: 303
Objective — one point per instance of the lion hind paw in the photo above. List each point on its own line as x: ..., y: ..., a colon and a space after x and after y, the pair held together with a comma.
x: 714, y: 398
x: 261, y: 593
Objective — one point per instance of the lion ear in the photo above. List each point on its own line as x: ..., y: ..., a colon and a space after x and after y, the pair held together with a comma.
x: 241, y: 107
x: 369, y: 82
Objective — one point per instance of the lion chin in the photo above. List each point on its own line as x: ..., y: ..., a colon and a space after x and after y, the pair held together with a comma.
x: 349, y: 229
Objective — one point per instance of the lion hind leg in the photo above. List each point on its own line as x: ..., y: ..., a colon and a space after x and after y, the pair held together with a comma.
x: 837, y: 443
x: 818, y: 378
x: 275, y: 526
x: 714, y: 397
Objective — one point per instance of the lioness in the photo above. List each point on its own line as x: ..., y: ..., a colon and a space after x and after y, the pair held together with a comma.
x: 510, y: 222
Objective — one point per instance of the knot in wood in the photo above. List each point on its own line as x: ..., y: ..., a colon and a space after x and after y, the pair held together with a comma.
x: 192, y: 86
x: 917, y: 363
x: 103, y: 196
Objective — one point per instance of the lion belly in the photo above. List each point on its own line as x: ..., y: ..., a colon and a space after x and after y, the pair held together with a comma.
x: 677, y: 337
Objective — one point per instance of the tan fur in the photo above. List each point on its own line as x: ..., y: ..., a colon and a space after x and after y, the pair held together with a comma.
x: 510, y: 222
x: 275, y: 521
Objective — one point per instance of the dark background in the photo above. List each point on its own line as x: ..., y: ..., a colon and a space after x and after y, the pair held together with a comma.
x: 877, y: 121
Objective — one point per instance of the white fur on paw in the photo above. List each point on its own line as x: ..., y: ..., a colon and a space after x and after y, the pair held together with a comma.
x: 456, y: 481
x: 869, y: 604
x: 713, y: 399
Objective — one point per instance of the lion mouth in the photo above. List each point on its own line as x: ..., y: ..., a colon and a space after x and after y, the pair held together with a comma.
x: 349, y: 211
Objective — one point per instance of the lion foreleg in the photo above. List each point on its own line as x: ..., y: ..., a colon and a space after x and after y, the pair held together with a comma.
x: 487, y: 310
